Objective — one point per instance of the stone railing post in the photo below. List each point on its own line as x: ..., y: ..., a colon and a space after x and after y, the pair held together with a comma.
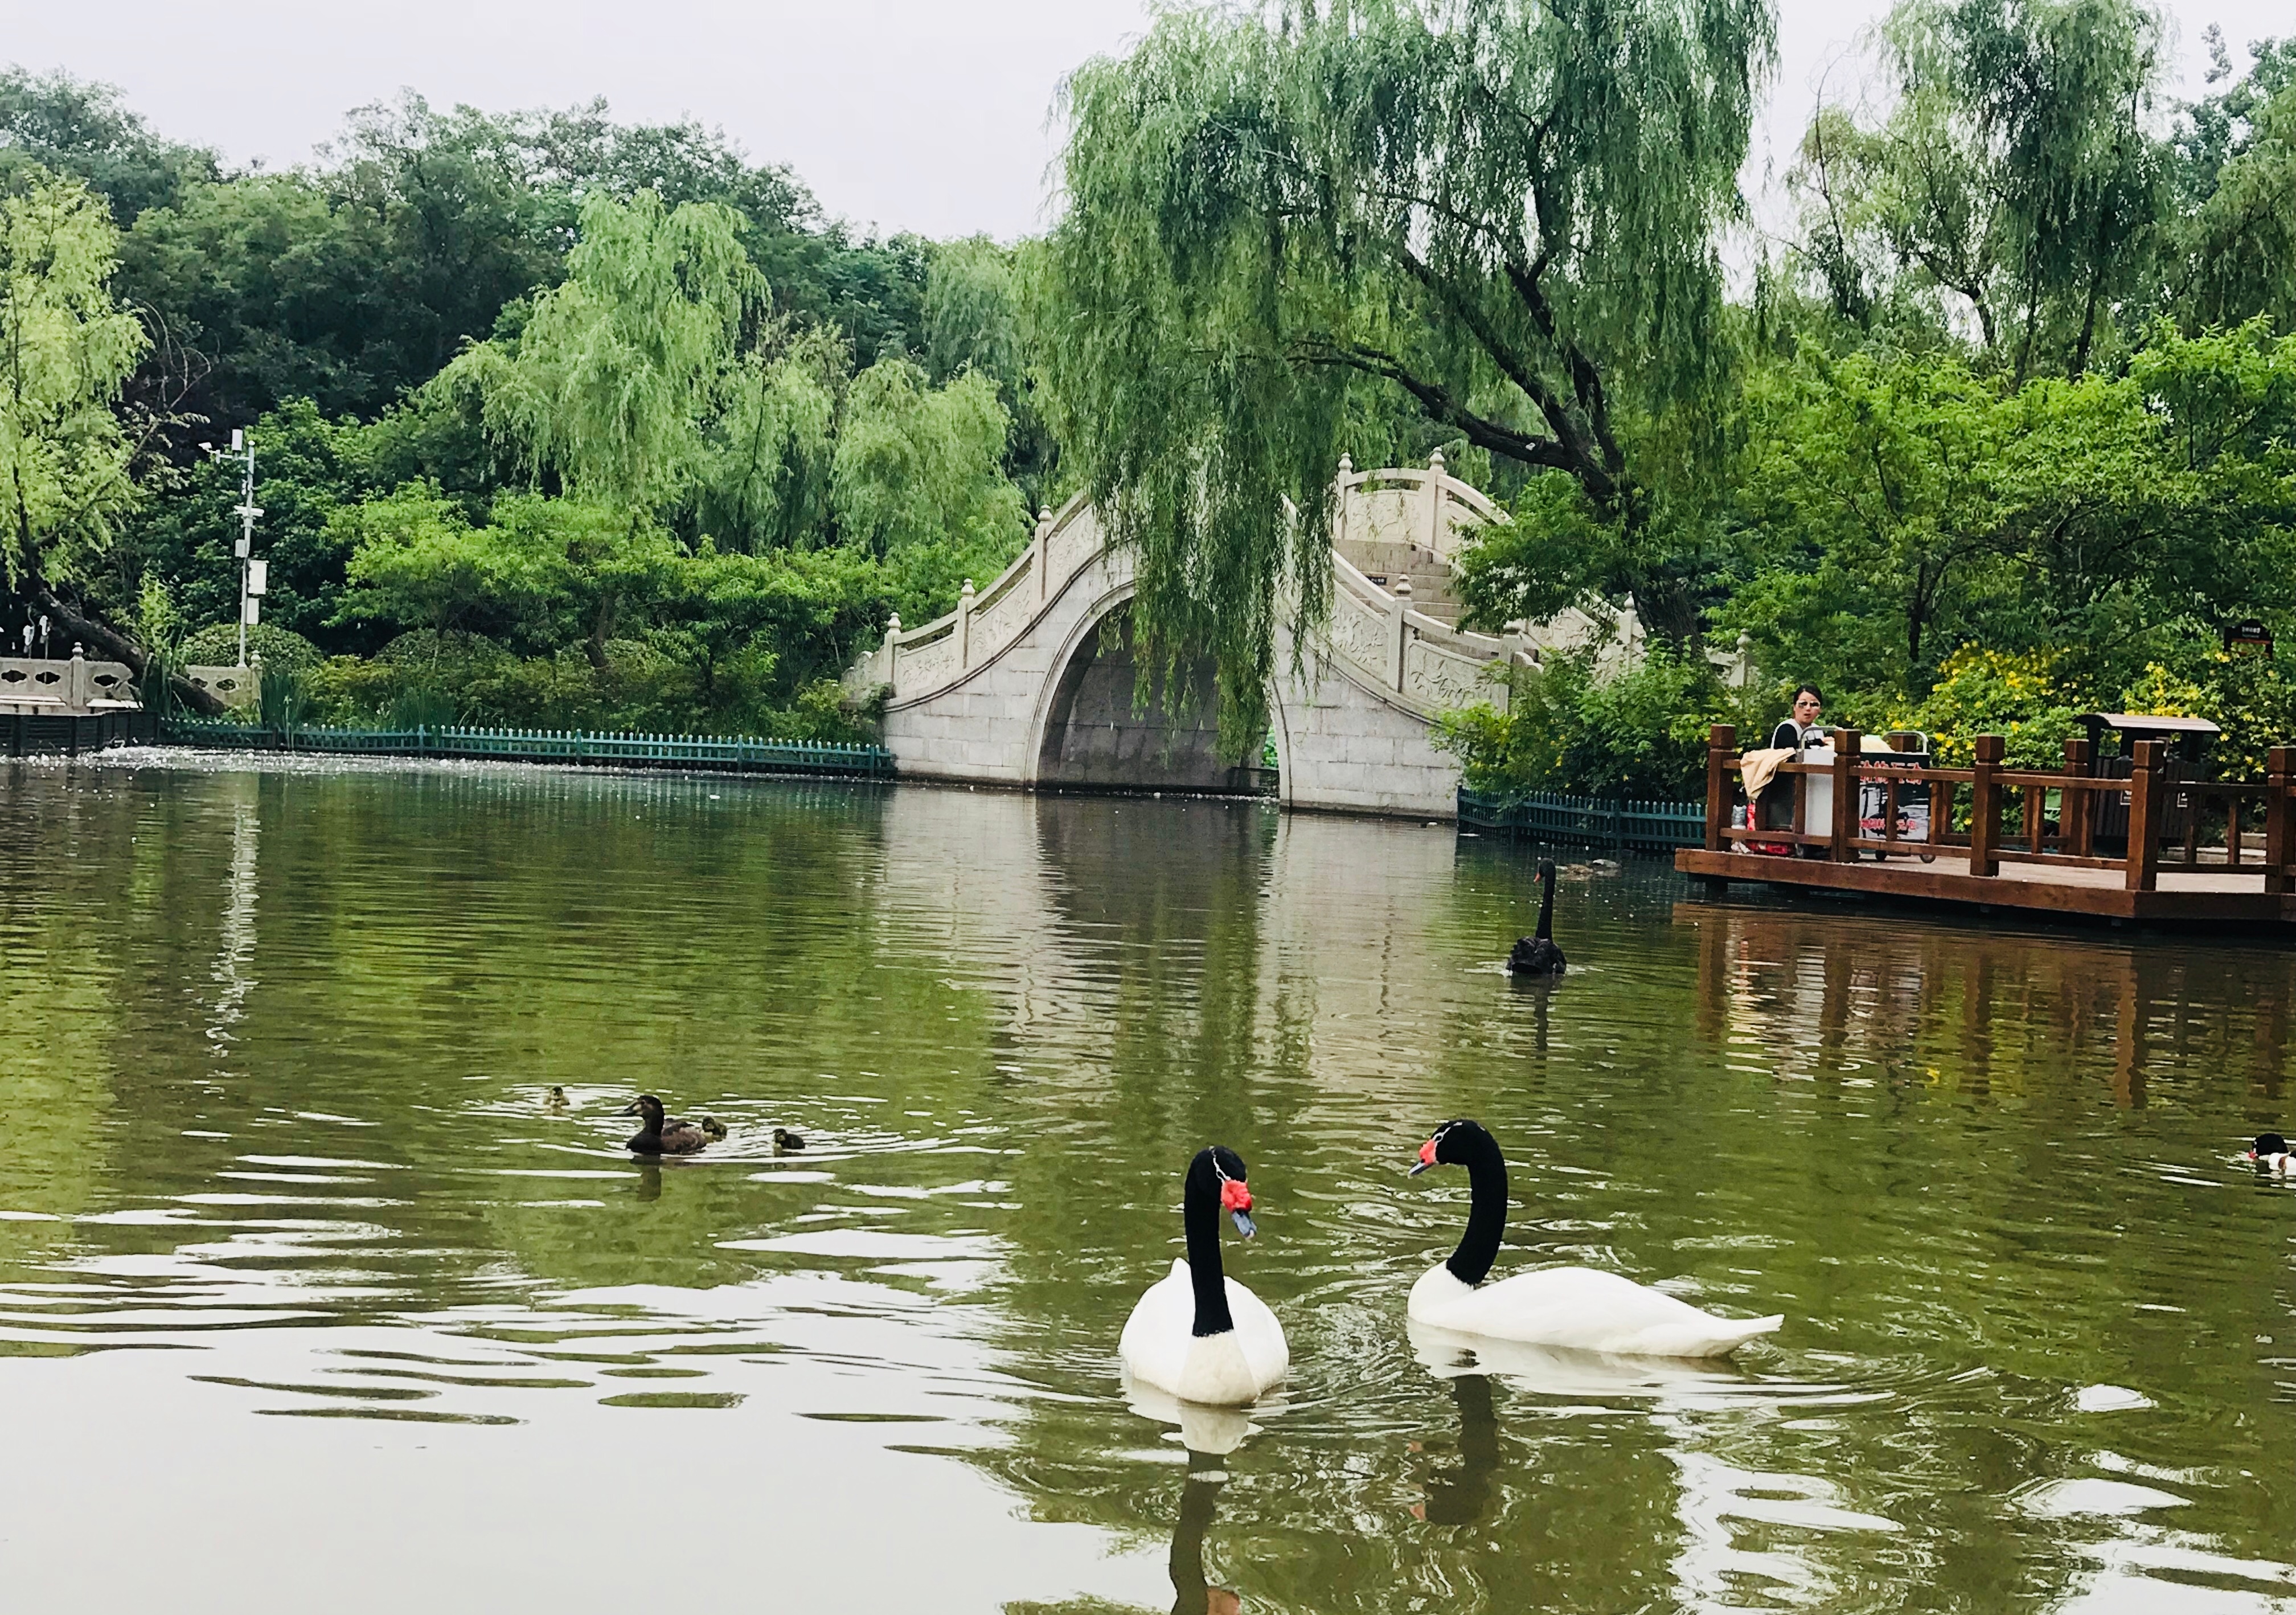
x: 1985, y: 807
x: 965, y: 627
x: 2279, y: 780
x: 1845, y: 826
x: 1339, y: 501
x: 1040, y: 553
x: 1398, y: 632
x: 75, y: 684
x: 1435, y: 501
x: 890, y: 653
x: 1721, y: 745
x: 2145, y: 779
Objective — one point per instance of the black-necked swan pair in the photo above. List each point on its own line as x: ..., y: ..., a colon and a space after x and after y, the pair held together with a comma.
x: 1201, y: 1337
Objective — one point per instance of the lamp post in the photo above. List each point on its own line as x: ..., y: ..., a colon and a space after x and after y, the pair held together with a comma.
x: 251, y: 571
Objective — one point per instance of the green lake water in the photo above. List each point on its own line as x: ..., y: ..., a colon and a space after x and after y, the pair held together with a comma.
x: 307, y: 1302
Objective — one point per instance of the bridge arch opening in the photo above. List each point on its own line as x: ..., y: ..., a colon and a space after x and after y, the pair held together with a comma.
x: 1096, y: 737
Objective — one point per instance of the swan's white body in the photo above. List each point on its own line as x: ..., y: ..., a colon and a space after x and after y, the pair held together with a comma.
x: 1160, y: 1345
x: 1579, y: 1309
x: 2280, y: 1161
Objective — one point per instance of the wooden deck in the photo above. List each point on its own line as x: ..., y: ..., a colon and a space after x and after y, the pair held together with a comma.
x: 2179, y: 865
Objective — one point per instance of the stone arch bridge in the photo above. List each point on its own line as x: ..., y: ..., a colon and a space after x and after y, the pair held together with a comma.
x: 1028, y: 682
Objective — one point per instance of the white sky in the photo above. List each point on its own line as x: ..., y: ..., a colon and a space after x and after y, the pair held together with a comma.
x: 925, y: 115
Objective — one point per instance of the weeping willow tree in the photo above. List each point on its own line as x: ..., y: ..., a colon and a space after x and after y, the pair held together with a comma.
x: 1498, y: 215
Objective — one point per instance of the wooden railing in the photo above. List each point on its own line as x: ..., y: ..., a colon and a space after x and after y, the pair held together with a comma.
x: 2065, y: 819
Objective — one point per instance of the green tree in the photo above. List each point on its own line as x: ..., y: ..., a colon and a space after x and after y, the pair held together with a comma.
x: 64, y: 126
x: 2016, y: 171
x: 1498, y: 215
x: 66, y: 349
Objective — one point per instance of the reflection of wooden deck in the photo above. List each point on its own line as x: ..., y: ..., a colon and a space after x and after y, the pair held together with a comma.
x: 2208, y: 896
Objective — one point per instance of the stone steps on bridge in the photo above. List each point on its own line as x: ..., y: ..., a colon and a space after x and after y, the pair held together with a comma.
x: 1434, y: 591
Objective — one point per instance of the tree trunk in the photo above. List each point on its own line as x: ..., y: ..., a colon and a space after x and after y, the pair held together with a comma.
x: 601, y: 628
x: 118, y: 647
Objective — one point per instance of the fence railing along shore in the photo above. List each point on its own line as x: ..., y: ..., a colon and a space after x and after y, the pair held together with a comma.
x: 1616, y: 823
x: 730, y: 753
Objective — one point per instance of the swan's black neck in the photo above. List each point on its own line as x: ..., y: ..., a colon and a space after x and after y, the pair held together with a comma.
x: 1200, y: 1215
x: 1487, y: 1184
x: 1191, y: 1588
x: 1546, y: 932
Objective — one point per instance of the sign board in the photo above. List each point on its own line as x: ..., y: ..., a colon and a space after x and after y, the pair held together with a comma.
x: 2248, y: 635
x: 258, y: 574
x: 253, y: 611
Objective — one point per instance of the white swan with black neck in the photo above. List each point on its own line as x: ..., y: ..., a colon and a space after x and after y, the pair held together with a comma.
x: 1197, y: 1334
x: 1582, y: 1308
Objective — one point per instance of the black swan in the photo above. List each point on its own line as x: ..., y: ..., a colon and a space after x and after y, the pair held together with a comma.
x: 1537, y: 954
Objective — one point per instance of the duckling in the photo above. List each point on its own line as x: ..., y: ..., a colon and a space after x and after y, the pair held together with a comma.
x: 2270, y: 1153
x: 713, y: 1127
x: 555, y: 1099
x: 786, y: 1141
x: 661, y: 1134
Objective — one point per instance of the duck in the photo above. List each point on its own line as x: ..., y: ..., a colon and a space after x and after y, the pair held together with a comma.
x: 661, y: 1134
x: 1197, y: 1334
x: 2270, y: 1153
x: 1537, y: 954
x: 714, y: 1127
x: 554, y: 1100
x: 786, y: 1142
x: 1579, y: 1308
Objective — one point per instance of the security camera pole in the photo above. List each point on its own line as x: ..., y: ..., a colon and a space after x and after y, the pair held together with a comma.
x: 252, y: 578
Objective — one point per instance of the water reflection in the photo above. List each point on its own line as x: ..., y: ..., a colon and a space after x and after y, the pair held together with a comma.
x: 1984, y: 1174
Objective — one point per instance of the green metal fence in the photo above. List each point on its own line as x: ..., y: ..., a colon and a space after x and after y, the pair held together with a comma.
x: 737, y: 753
x: 1586, y: 821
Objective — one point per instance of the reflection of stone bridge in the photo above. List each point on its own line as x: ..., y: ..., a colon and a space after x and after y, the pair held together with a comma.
x: 1029, y: 681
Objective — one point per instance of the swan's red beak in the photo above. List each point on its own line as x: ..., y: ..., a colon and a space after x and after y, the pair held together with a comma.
x: 1235, y: 1199
x: 1426, y: 1158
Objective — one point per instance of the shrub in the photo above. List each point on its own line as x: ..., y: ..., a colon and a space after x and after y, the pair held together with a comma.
x: 218, y: 647
x: 1641, y: 733
x: 2247, y: 693
x: 1980, y: 692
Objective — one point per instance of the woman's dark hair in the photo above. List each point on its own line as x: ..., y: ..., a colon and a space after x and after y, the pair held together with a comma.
x: 1810, y: 690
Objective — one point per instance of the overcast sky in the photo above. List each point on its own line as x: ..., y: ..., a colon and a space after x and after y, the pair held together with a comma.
x: 925, y: 115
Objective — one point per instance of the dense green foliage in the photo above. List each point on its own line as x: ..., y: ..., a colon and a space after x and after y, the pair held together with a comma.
x: 565, y: 421
x: 1496, y: 217
x: 609, y: 420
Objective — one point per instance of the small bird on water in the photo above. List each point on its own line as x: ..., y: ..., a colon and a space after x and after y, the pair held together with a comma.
x: 786, y: 1141
x: 555, y: 1099
x: 1537, y: 954
x: 662, y: 1134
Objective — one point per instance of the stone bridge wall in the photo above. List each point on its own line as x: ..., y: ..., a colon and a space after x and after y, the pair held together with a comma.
x: 1018, y: 686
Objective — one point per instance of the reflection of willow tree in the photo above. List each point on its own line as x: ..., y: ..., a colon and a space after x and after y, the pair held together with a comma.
x: 63, y: 1006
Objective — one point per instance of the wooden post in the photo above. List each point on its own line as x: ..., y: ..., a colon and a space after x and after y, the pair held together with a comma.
x: 1721, y: 744
x: 1844, y: 829
x: 1985, y: 807
x: 2077, y: 804
x: 2279, y: 780
x: 2144, y: 783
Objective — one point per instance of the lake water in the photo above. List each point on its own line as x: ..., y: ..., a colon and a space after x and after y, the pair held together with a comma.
x: 307, y: 1301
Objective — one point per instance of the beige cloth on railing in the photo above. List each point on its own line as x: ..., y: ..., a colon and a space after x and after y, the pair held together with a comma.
x: 1759, y: 767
